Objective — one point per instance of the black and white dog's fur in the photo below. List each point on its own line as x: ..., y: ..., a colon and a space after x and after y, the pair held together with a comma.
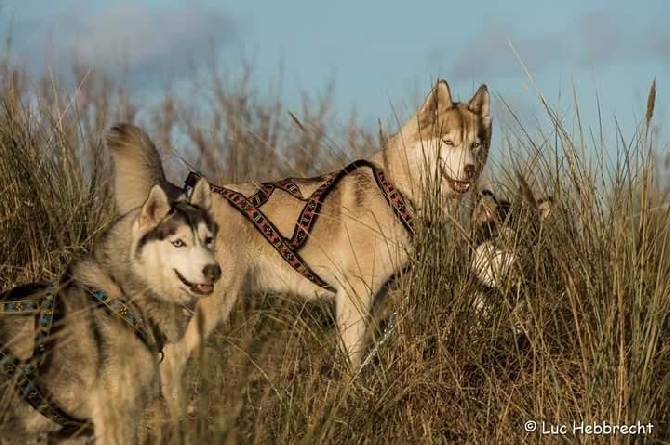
x: 504, y: 234
x: 111, y: 314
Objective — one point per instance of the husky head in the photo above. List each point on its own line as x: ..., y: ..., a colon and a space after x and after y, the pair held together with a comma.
x: 449, y: 140
x: 504, y: 235
x: 173, y: 244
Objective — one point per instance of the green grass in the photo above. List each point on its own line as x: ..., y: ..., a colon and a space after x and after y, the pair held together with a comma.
x: 597, y: 304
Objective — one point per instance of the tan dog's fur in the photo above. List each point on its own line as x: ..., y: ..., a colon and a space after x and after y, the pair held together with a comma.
x: 356, y: 245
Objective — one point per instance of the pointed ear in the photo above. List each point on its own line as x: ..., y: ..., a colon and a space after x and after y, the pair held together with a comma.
x: 479, y: 104
x: 485, y: 209
x: 544, y: 206
x: 438, y: 99
x: 526, y: 191
x: 202, y: 195
x: 155, y: 208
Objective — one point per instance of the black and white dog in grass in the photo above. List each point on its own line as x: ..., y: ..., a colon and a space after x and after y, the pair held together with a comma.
x: 506, y: 238
x: 79, y: 358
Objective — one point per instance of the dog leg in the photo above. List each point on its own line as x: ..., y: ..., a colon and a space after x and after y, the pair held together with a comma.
x: 115, y: 415
x: 210, y: 311
x: 352, y: 307
x: 56, y: 439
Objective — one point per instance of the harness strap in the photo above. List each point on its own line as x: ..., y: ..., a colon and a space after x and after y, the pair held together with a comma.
x: 395, y: 200
x: 25, y: 380
x: 288, y: 248
x: 43, y: 308
x: 24, y: 374
x: 311, y: 211
x: 271, y: 234
x: 19, y: 307
x: 132, y: 318
x: 44, y: 324
x: 287, y: 185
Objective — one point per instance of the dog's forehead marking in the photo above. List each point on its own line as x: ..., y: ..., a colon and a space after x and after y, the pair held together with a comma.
x: 183, y: 219
x: 458, y: 122
x: 184, y: 231
x: 204, y: 230
x: 194, y: 216
x: 499, y: 223
x: 164, y: 229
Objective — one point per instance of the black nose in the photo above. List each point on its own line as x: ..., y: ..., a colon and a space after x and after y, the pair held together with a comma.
x: 212, y: 272
x: 469, y: 171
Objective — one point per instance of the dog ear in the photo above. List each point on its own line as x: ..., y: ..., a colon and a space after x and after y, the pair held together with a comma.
x: 479, y: 104
x: 486, y: 208
x: 544, y: 206
x: 155, y: 208
x: 202, y: 195
x: 526, y: 192
x: 438, y: 99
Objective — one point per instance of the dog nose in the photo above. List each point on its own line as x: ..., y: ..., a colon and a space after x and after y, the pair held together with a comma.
x: 469, y: 171
x: 212, y: 272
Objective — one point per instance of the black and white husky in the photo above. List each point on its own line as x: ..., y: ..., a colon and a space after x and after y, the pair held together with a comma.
x: 81, y: 355
x: 504, y: 236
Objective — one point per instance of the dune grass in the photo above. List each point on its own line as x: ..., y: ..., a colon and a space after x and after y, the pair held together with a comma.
x: 596, y: 329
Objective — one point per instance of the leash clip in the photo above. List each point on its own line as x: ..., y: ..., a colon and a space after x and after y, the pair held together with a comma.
x: 190, y: 182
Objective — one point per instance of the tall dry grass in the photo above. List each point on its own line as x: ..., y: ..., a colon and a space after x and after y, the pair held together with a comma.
x: 596, y: 337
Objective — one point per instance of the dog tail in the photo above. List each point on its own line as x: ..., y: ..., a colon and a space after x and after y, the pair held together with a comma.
x: 137, y: 165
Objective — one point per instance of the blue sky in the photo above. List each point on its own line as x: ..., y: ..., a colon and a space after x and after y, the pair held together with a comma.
x: 381, y: 56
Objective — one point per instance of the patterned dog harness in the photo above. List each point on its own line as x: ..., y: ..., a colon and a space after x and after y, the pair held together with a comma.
x: 289, y: 249
x: 47, y: 309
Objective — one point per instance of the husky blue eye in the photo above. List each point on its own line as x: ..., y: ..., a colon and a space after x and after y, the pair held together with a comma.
x: 178, y: 243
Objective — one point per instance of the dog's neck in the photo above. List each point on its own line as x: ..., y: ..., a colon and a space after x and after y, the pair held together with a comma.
x: 389, y: 160
x: 165, y: 321
x: 393, y: 160
x: 170, y: 318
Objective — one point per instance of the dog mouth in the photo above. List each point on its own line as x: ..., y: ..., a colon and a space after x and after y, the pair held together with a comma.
x: 457, y: 186
x: 196, y: 288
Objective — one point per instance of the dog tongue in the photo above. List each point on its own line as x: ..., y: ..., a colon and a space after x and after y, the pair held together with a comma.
x: 204, y: 288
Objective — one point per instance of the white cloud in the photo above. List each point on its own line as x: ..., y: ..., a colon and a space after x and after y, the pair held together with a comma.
x: 597, y: 38
x: 137, y: 35
x: 143, y: 41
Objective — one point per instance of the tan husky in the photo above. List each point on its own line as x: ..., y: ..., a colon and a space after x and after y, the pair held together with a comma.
x: 271, y: 239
